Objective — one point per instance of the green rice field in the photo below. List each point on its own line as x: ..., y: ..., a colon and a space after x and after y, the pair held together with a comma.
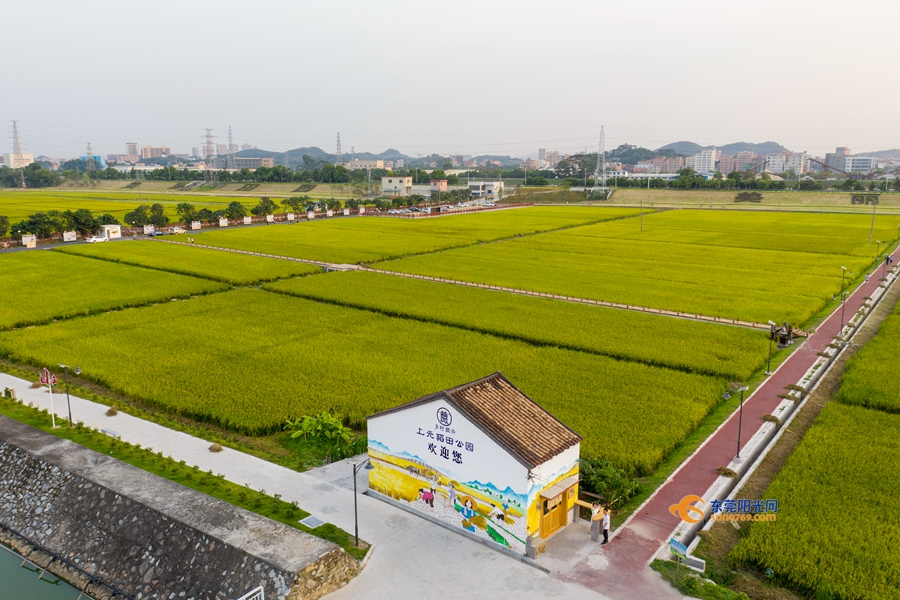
x: 229, y: 267
x: 298, y: 357
x: 40, y: 286
x: 681, y: 344
x: 369, y: 239
x: 871, y: 378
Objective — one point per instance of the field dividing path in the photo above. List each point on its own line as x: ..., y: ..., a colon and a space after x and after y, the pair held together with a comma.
x: 635, y: 543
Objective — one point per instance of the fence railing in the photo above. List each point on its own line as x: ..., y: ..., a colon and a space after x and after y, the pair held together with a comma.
x: 255, y: 594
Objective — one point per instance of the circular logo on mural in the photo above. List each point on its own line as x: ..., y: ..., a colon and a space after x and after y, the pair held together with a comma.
x: 444, y: 417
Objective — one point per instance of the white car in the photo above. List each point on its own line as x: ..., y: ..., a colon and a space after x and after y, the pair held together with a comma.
x: 95, y: 238
x: 178, y: 230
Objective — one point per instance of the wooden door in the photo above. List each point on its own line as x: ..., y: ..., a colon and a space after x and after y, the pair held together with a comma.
x: 552, y: 516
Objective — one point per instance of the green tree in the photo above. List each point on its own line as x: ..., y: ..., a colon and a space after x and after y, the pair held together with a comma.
x: 158, y: 216
x: 186, y: 212
x: 235, y: 210
x: 265, y: 206
x: 294, y: 203
x: 612, y: 484
x: 139, y: 217
x: 83, y: 221
x: 4, y: 225
x: 107, y: 219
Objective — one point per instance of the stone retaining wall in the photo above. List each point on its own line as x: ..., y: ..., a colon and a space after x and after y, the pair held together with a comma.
x: 145, y: 535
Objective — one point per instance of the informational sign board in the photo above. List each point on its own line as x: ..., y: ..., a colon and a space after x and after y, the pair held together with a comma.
x: 346, y: 212
x: 270, y: 218
x: 223, y: 222
x: 29, y: 241
x: 310, y: 215
x: 248, y: 220
x: 69, y: 236
x: 677, y: 548
x: 112, y: 232
x: 195, y: 225
x: 290, y: 216
x: 362, y: 210
x: 48, y: 378
x: 149, y: 229
x: 329, y: 213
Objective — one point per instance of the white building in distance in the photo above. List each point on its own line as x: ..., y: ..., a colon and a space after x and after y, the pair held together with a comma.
x: 394, y: 185
x: 17, y: 161
x: 860, y: 164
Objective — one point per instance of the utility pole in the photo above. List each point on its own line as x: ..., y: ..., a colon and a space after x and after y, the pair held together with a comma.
x: 17, y: 154
x: 872, y: 227
x: 89, y: 159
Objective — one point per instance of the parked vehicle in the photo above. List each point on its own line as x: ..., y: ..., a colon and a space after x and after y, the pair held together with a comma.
x: 177, y: 230
x: 95, y: 238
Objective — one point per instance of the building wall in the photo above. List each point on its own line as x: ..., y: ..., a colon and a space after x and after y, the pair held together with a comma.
x: 357, y: 164
x: 547, y: 475
x: 775, y: 163
x: 17, y: 161
x: 858, y: 164
x: 705, y: 161
x: 393, y: 185
x: 476, y: 484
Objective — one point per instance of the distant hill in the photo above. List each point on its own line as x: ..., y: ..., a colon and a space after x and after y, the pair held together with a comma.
x: 895, y: 153
x: 690, y: 148
x: 293, y: 158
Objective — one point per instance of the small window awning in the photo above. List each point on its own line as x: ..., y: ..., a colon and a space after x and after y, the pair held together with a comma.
x: 557, y: 489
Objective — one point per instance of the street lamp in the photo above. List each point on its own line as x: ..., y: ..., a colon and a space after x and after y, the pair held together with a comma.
x: 356, y: 468
x: 740, y: 421
x: 771, y: 337
x: 843, y: 298
x: 843, y: 271
x: 77, y: 371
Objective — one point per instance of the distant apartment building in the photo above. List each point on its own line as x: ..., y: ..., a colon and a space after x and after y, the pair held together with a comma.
x: 132, y: 154
x: 552, y: 157
x: 646, y: 167
x: 357, y: 164
x: 116, y: 158
x: 195, y: 152
x: 241, y: 162
x: 542, y: 154
x: 246, y: 147
x: 860, y: 164
x: 727, y: 164
x: 746, y: 160
x: 17, y: 161
x: 226, y: 149
x: 798, y: 162
x: 775, y: 163
x: 835, y: 159
x: 437, y: 185
x: 154, y: 152
x: 394, y: 185
x: 705, y: 161
x: 399, y: 163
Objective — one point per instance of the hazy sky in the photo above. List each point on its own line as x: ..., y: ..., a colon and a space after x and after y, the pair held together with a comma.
x: 488, y: 77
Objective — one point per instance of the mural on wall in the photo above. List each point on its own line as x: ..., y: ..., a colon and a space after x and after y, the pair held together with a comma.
x: 538, y: 520
x: 432, y: 458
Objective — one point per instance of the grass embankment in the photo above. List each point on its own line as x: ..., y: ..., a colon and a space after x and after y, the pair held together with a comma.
x: 214, y: 485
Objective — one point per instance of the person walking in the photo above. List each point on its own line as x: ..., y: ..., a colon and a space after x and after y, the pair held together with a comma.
x: 605, y: 527
x: 867, y: 278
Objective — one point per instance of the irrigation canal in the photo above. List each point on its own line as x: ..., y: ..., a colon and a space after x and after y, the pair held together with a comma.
x: 23, y: 582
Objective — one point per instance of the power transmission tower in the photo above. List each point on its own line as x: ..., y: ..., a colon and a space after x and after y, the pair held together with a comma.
x: 600, y: 176
x: 89, y: 159
x: 210, y: 155
x: 230, y: 163
x: 17, y: 153
x: 337, y: 154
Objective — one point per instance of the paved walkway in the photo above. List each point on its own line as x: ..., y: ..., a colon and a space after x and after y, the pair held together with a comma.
x: 411, y: 557
x: 634, y: 544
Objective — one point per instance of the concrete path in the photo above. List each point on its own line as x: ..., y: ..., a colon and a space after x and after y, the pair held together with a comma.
x: 411, y: 557
x: 634, y: 544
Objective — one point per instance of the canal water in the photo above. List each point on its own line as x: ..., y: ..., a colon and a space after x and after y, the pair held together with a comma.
x: 22, y: 583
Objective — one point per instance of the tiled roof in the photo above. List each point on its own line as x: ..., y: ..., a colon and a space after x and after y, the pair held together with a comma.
x: 511, y: 418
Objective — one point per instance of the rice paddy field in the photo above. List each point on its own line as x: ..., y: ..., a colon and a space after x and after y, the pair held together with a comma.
x: 39, y: 286
x: 786, y: 200
x: 634, y: 385
x: 871, y: 379
x: 686, y: 261
x: 297, y: 357
x: 369, y: 239
x: 838, y: 527
x: 17, y: 205
x: 229, y: 267
x: 681, y: 344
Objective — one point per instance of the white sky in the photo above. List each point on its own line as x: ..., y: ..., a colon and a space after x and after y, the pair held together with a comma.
x: 497, y: 77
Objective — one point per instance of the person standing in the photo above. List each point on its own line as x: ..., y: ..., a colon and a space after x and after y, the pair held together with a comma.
x: 595, y: 522
x: 605, y: 527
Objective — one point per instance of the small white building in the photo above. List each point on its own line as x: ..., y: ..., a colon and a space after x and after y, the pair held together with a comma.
x: 485, y: 189
x: 17, y: 161
x: 394, y: 185
x: 481, y: 458
x: 111, y: 232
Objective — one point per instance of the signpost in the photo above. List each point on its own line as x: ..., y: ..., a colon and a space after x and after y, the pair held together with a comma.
x: 248, y: 220
x: 49, y: 379
x: 195, y: 225
x: 679, y: 550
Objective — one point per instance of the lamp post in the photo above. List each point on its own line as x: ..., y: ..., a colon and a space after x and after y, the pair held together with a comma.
x: 740, y: 421
x: 356, y: 468
x: 843, y: 272
x: 771, y: 337
x: 843, y: 298
x: 77, y: 371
